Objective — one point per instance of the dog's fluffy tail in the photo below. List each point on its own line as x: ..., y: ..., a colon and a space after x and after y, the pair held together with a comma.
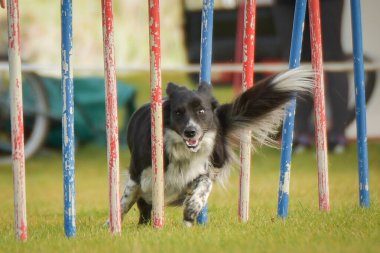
x: 261, y: 108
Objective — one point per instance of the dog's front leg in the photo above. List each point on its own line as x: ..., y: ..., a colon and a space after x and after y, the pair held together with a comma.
x: 196, y: 198
x: 129, y: 196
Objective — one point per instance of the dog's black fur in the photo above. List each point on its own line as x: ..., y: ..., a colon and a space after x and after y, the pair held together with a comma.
x: 196, y: 134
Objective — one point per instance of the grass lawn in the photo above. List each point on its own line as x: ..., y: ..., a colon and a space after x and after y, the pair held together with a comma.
x: 346, y: 228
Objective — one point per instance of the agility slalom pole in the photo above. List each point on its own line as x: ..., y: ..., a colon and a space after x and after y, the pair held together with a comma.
x: 287, y: 130
x: 68, y: 141
x: 248, y: 81
x: 111, y: 117
x: 17, y: 122
x: 319, y: 104
x: 206, y: 40
x: 156, y: 114
x: 361, y: 121
x: 205, y: 64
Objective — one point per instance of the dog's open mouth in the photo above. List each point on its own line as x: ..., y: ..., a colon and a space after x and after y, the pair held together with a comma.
x: 193, y: 143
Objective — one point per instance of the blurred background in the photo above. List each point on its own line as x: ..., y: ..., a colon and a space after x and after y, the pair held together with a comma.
x: 180, y: 40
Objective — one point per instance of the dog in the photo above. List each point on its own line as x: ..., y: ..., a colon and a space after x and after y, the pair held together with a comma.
x: 197, y: 133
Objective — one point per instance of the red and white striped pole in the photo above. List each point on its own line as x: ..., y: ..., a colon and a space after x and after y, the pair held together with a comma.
x: 15, y: 85
x: 111, y: 117
x: 319, y: 104
x: 245, y: 141
x: 156, y: 114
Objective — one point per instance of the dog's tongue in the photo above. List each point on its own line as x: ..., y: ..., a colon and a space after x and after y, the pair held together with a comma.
x: 192, y: 141
x: 192, y: 144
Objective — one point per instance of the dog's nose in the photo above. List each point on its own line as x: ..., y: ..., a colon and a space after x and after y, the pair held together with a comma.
x: 190, y: 132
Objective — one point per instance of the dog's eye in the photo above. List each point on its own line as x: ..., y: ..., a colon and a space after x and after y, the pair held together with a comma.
x: 178, y: 113
x: 201, y: 111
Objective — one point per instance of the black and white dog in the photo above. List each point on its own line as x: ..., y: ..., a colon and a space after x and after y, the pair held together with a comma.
x: 196, y: 139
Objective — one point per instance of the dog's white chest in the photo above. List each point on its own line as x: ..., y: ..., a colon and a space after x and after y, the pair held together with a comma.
x: 184, y: 166
x: 177, y: 178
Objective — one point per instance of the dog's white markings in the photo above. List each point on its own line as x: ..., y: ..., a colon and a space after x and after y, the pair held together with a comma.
x: 187, y: 224
x: 129, y: 196
x: 192, y: 123
x: 194, y: 143
x: 184, y: 166
x: 197, y: 197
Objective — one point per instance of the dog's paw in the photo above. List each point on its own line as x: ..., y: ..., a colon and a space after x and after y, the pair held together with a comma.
x: 187, y: 224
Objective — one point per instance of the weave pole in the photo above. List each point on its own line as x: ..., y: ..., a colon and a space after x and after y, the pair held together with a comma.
x: 361, y: 121
x: 17, y: 122
x: 156, y: 114
x: 111, y: 117
x: 68, y: 141
x: 319, y: 104
x: 287, y: 130
x: 205, y: 62
x: 248, y: 81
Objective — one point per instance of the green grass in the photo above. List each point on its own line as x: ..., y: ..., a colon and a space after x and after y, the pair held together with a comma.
x: 346, y: 228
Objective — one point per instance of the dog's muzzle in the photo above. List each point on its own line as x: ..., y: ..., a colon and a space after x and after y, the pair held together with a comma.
x: 192, y: 138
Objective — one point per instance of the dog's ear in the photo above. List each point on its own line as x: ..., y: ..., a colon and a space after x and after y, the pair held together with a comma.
x: 171, y: 88
x: 214, y: 103
x: 205, y: 88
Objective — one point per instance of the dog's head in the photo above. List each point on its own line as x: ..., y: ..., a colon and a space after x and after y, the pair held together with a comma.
x: 192, y: 113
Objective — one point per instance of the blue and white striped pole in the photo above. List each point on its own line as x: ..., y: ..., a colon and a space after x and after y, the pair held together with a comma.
x: 361, y: 121
x: 287, y: 130
x: 68, y: 142
x: 205, y: 74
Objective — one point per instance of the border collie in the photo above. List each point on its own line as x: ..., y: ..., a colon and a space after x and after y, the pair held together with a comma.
x: 197, y: 130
